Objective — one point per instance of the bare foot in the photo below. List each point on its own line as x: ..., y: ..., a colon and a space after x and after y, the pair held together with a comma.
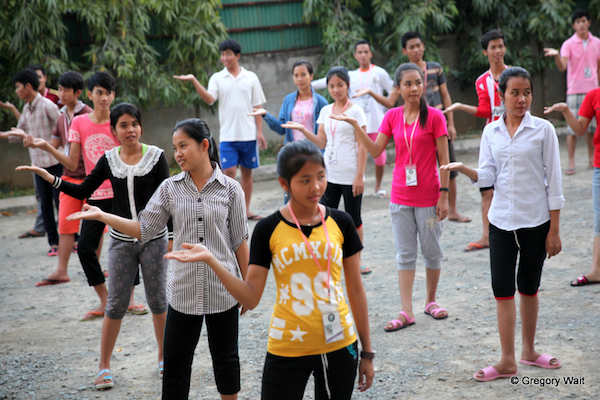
x: 458, y: 217
x: 58, y: 276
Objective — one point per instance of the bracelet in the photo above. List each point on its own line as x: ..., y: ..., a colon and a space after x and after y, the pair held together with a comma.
x: 444, y: 189
x: 369, y: 355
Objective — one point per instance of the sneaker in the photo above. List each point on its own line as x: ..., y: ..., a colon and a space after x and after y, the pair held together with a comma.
x: 53, y: 251
x: 75, y: 247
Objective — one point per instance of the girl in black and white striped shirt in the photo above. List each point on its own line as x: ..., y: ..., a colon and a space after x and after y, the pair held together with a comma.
x: 206, y: 207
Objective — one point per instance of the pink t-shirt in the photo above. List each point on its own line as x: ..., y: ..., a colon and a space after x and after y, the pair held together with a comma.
x: 424, y: 156
x: 303, y: 112
x: 582, y: 66
x: 95, y: 139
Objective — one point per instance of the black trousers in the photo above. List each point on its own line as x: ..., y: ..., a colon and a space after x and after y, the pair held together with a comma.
x: 181, y: 338
x: 335, y: 373
x: 48, y: 196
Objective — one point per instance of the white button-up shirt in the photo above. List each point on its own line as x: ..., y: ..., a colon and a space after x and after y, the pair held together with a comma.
x: 525, y: 171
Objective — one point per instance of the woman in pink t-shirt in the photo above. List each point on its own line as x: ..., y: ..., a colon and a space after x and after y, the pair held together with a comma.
x: 418, y: 203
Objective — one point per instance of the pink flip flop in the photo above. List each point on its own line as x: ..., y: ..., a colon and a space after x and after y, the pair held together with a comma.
x: 435, y: 311
x: 542, y: 361
x: 398, y: 324
x: 490, y: 373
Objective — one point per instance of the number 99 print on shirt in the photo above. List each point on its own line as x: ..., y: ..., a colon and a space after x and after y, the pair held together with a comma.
x: 306, y: 321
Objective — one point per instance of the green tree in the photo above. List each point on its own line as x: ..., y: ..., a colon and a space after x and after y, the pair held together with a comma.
x: 340, y: 29
x: 34, y: 31
x: 429, y: 18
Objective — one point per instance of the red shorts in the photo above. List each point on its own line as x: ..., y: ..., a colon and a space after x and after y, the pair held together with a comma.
x: 68, y: 205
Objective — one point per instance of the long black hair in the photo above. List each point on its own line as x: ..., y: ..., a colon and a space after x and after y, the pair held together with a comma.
x: 294, y: 155
x: 197, y: 130
x: 423, y: 103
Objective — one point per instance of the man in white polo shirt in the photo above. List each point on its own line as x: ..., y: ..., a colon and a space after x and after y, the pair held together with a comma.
x: 238, y: 91
x: 368, y: 77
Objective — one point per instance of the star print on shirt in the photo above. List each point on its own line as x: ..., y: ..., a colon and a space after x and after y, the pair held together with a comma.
x: 297, y: 334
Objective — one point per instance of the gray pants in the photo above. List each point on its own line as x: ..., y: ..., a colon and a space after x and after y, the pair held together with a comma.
x: 410, y: 222
x: 123, y: 260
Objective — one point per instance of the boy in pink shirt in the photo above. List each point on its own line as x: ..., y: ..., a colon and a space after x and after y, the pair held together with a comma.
x: 579, y: 55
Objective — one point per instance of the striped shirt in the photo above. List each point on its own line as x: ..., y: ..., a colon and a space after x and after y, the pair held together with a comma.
x: 39, y: 119
x: 214, y: 217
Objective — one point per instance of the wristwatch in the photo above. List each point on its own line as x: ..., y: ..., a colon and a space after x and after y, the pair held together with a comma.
x: 369, y: 355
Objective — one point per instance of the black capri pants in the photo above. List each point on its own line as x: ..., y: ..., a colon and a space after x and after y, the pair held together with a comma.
x: 335, y: 373
x: 530, y: 245
x: 182, y: 333
x: 352, y: 204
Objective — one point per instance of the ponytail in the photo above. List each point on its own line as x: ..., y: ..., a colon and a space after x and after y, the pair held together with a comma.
x: 197, y: 130
x: 423, y: 109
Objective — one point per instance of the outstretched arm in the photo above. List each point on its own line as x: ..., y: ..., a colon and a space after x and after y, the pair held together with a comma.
x: 320, y: 139
x: 561, y: 62
x: 463, y: 169
x: 208, y: 99
x: 247, y: 292
x: 123, y: 225
x: 11, y: 107
x: 374, y: 148
x: 579, y: 125
x: 388, y: 102
x: 71, y: 161
x: 461, y: 107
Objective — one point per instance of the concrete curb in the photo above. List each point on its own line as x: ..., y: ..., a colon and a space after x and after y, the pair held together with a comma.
x: 263, y: 173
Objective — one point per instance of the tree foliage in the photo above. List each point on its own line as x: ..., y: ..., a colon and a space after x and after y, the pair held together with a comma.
x: 33, y: 31
x: 528, y: 25
x: 340, y: 29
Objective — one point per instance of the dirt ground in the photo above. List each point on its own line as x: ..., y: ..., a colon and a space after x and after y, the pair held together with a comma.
x: 46, y: 353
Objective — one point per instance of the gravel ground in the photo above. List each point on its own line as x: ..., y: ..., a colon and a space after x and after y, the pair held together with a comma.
x: 46, y: 353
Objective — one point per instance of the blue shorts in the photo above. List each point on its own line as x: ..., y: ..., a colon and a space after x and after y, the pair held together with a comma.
x: 239, y: 153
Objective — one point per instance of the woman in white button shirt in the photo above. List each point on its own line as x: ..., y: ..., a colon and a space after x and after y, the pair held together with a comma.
x: 519, y: 156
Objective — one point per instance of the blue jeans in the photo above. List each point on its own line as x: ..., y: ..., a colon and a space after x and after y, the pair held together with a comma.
x: 596, y: 199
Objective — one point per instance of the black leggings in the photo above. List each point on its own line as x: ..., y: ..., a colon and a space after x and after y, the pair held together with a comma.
x: 335, y: 373
x: 530, y: 245
x: 89, y: 240
x: 333, y: 194
x: 181, y: 338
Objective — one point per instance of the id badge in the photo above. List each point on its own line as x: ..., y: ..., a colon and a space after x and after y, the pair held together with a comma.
x: 332, y: 157
x: 587, y: 73
x: 411, y: 174
x: 332, y: 325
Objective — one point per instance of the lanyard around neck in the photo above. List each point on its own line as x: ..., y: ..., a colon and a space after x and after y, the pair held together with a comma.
x: 309, y: 247
x: 332, y: 128
x: 409, y: 147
